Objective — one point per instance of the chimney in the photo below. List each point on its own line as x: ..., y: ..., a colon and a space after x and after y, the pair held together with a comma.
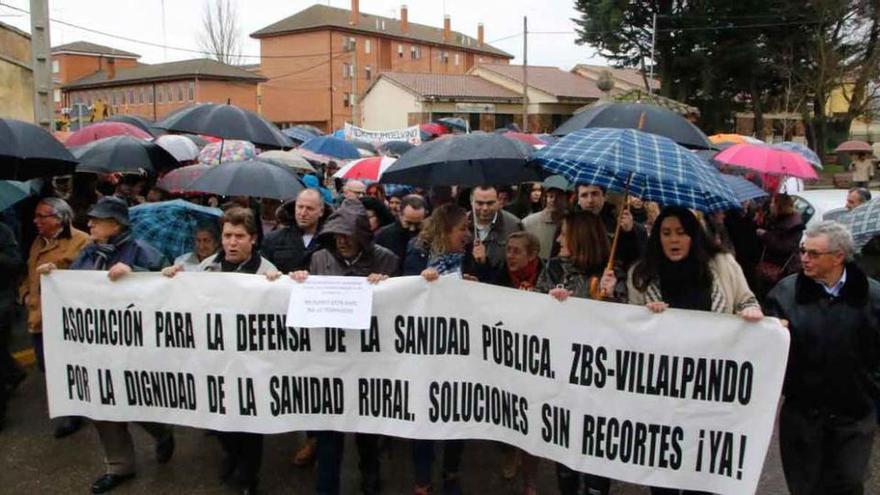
x: 480, y: 34
x: 404, y: 19
x: 111, y: 68
x: 355, y: 12
x: 447, y: 28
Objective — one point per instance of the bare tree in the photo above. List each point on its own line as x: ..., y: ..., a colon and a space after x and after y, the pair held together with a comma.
x: 221, y: 36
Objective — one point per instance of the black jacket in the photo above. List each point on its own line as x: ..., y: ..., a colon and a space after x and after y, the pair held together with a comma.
x: 351, y: 219
x: 287, y: 251
x: 835, y: 343
x: 395, y: 238
x: 11, y: 265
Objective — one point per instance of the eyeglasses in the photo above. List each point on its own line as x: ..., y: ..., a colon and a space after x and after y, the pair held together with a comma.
x: 41, y: 216
x: 813, y: 254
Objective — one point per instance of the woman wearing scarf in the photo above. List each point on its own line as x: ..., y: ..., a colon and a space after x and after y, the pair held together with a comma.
x: 244, y: 451
x: 440, y: 249
x: 583, y: 256
x: 683, y: 269
x: 114, y: 250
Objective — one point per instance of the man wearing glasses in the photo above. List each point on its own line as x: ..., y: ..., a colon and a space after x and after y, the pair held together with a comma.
x: 832, y: 309
x: 397, y: 235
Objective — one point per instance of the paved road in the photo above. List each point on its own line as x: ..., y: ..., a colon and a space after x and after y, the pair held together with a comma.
x: 33, y: 462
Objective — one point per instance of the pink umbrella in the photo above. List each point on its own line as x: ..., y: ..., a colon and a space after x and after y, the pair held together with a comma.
x: 854, y: 147
x: 101, y: 130
x: 179, y: 179
x: 768, y: 160
x: 365, y: 169
x: 529, y: 139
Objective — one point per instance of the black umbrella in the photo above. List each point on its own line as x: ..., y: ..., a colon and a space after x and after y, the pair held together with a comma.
x: 123, y: 154
x: 139, y: 122
x: 226, y: 122
x: 454, y: 123
x: 249, y: 178
x: 395, y: 148
x: 465, y: 160
x: 28, y: 151
x: 363, y: 145
x: 646, y: 118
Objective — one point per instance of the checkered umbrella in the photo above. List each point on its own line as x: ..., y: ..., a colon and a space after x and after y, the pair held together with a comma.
x: 170, y: 226
x: 743, y: 188
x: 864, y: 222
x: 651, y: 167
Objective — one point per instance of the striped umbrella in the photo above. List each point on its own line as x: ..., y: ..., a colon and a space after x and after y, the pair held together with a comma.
x: 743, y: 188
x: 365, y: 169
x: 809, y: 155
x: 649, y: 166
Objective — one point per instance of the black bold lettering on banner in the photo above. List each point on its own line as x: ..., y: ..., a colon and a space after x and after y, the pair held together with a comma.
x: 214, y: 331
x: 105, y: 388
x: 247, y: 403
x: 269, y: 332
x: 78, y: 383
x: 116, y: 327
x: 582, y: 363
x: 306, y: 395
x: 556, y: 425
x: 216, y: 394
x: 522, y: 352
x: 165, y: 389
x: 334, y: 340
x: 746, y: 376
x: 725, y: 449
x: 384, y: 398
x: 464, y: 402
x: 632, y: 442
x: 175, y: 330
x: 370, y: 337
x: 431, y: 335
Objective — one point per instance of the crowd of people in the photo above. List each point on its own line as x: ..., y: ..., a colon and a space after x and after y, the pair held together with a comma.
x: 552, y: 237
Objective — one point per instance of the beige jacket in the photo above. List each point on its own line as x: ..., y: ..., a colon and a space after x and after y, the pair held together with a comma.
x: 862, y: 170
x: 730, y: 291
x: 59, y: 251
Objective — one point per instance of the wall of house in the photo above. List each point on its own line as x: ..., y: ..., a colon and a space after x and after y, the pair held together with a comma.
x: 387, y: 107
x: 16, y: 77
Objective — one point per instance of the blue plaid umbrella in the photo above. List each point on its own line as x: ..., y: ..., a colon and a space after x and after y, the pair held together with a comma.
x: 808, y: 154
x: 864, y: 222
x: 743, y: 188
x: 653, y: 167
x: 170, y: 226
x: 332, y: 147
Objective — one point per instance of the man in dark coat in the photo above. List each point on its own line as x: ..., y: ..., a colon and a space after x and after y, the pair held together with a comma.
x: 491, y: 226
x: 10, y: 265
x: 350, y: 252
x: 397, y: 235
x: 289, y: 248
x: 827, y: 422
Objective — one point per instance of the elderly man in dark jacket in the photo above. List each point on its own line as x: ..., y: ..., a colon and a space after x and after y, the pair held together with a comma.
x: 827, y: 423
x: 114, y: 250
x: 289, y: 248
x: 350, y: 252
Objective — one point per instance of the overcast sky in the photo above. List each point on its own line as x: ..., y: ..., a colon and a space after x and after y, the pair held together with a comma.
x: 141, y: 20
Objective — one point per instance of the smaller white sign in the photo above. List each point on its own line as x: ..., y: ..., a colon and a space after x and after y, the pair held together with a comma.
x: 338, y: 302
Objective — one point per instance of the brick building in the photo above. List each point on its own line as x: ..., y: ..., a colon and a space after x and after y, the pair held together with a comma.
x: 16, y: 75
x: 152, y: 91
x: 79, y: 59
x: 321, y: 59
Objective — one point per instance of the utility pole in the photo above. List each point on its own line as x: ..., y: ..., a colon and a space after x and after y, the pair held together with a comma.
x: 355, y: 115
x: 41, y: 62
x: 653, y: 56
x: 525, y: 91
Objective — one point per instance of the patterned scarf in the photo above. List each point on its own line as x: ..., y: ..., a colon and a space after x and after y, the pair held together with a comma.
x: 104, y: 252
x: 525, y: 278
x: 446, y: 263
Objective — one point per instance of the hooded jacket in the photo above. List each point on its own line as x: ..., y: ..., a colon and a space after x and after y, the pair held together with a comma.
x: 351, y: 219
x: 834, y: 356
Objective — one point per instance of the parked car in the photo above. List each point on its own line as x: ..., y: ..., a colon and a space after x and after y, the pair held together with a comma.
x: 815, y: 205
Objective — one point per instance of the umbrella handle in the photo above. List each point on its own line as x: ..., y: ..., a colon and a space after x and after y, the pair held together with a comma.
x: 595, y: 291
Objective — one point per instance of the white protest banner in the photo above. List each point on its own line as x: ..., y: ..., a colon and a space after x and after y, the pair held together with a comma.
x: 411, y: 134
x: 343, y: 302
x: 681, y: 399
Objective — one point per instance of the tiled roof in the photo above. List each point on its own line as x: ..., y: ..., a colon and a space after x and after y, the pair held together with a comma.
x: 551, y: 80
x: 450, y: 86
x: 321, y: 16
x: 92, y: 48
x: 202, y: 68
x: 630, y: 76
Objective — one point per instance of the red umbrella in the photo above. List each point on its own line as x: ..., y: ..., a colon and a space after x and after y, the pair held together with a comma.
x: 434, y: 129
x: 854, y: 147
x: 178, y: 180
x: 101, y: 130
x: 529, y: 139
x: 365, y: 168
x: 767, y: 160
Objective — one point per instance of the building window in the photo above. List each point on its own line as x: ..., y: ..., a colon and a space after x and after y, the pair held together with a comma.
x: 400, y: 51
x: 180, y: 92
x: 444, y: 56
x: 150, y: 90
x: 348, y: 43
x: 192, y: 91
x: 169, y: 93
x: 456, y: 59
x: 57, y: 96
x: 346, y: 100
x: 347, y: 71
x: 367, y: 46
x: 160, y: 95
x: 415, y: 52
x: 56, y: 67
x: 140, y: 95
x: 368, y: 72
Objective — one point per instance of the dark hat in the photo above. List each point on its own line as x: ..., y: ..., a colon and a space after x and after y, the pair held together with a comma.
x: 111, y: 207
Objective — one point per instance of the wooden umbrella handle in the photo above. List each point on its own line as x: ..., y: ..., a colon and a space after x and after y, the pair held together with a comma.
x: 596, y: 292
